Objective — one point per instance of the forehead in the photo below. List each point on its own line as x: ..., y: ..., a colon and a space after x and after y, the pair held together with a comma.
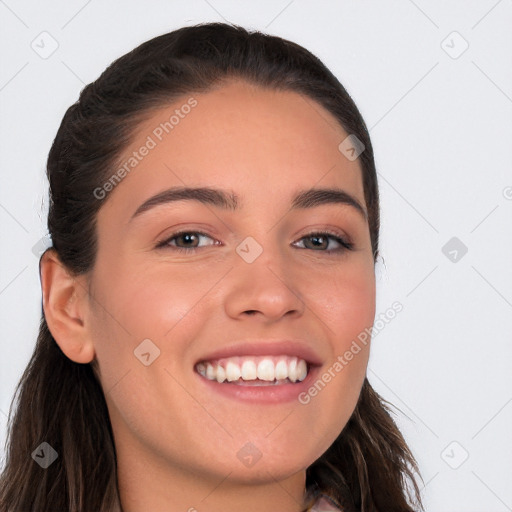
x: 262, y: 143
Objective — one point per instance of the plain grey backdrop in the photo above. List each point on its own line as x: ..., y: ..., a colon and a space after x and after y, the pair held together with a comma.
x: 433, y: 80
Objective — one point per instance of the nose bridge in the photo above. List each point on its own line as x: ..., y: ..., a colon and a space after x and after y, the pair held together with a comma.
x: 261, y: 251
x: 262, y: 279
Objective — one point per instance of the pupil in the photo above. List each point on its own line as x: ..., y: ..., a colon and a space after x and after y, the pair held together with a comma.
x: 187, y: 237
x: 316, y: 239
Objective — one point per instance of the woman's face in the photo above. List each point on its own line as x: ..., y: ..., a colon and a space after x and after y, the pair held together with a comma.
x: 244, y: 283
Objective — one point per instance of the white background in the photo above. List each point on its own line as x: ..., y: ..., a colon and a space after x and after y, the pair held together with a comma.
x: 441, y: 129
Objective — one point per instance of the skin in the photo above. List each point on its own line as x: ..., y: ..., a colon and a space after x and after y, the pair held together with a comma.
x: 176, y: 444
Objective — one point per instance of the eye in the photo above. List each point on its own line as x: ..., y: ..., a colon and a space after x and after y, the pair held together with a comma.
x: 320, y: 240
x: 188, y: 237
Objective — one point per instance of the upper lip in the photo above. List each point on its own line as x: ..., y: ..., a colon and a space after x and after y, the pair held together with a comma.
x: 268, y: 347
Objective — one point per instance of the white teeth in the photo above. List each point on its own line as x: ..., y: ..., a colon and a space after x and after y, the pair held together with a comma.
x: 210, y: 372
x: 271, y: 369
x: 266, y: 370
x: 249, y: 371
x: 232, y: 371
x: 292, y: 370
x: 221, y: 374
x: 302, y: 369
x: 281, y: 370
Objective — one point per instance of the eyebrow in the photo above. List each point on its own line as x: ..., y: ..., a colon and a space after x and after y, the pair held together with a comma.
x: 227, y: 200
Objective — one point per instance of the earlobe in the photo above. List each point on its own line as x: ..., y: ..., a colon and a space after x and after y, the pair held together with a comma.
x: 65, y: 307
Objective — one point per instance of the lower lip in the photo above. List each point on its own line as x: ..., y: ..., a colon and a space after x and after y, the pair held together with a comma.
x: 262, y: 394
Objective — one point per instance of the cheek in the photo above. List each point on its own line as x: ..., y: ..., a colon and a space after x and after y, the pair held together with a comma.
x: 347, y: 306
x: 149, y: 304
x: 149, y: 301
x: 345, y: 301
x: 354, y: 320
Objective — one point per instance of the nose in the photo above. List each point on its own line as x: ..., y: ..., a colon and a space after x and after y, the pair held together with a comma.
x: 266, y: 289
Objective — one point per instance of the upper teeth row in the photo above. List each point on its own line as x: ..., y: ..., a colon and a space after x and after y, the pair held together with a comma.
x: 252, y: 368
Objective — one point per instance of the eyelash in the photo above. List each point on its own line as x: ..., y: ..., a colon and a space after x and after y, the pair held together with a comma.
x: 345, y: 244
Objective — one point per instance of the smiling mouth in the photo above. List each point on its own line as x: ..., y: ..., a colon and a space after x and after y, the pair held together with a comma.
x: 255, y: 370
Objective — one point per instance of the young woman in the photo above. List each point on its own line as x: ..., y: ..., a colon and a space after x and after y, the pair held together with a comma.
x: 203, y: 346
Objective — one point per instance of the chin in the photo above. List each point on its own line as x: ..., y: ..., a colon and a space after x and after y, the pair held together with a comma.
x: 276, y: 461
x: 267, y: 471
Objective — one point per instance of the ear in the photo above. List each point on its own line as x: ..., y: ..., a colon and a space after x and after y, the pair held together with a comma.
x: 65, y: 305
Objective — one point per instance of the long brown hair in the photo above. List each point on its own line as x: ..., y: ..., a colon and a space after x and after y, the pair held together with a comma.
x: 369, y: 466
